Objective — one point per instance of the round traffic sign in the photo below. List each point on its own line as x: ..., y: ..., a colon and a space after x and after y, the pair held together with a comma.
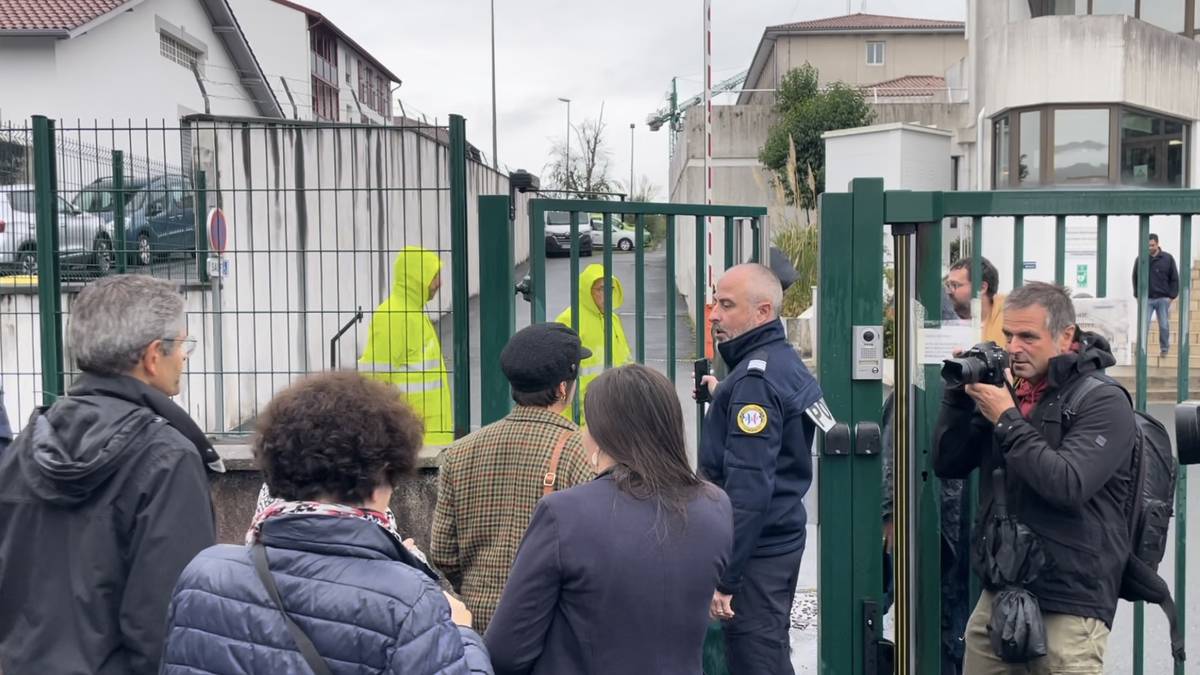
x: 218, y: 232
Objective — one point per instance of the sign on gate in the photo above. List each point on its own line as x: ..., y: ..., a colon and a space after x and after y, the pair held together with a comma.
x: 218, y: 232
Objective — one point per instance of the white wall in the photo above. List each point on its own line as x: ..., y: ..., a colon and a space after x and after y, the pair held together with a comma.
x: 115, y: 71
x: 279, y: 36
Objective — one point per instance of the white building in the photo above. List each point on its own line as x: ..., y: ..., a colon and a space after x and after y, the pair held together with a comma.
x: 316, y: 70
x: 104, y: 60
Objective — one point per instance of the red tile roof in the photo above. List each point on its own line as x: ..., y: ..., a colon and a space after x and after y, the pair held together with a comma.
x: 909, y: 85
x: 31, y: 15
x: 869, y: 22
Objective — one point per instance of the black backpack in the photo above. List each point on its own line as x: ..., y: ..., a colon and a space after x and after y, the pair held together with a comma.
x: 1150, y: 508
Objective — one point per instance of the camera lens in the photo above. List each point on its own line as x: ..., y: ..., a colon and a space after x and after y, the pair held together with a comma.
x: 868, y: 336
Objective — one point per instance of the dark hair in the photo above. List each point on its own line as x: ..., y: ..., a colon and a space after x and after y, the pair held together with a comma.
x: 1056, y: 300
x: 540, y: 399
x: 336, y: 436
x: 634, y: 415
x: 987, y: 270
x: 1154, y: 237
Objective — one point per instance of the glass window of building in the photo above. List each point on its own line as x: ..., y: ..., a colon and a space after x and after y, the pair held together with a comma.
x: 1151, y: 150
x: 1000, y: 150
x: 1068, y: 7
x: 1029, y: 155
x: 1080, y: 146
x: 1167, y: 14
x: 875, y: 53
x: 1115, y: 7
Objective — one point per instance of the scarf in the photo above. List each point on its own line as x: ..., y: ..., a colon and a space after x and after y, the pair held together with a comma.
x: 1028, y: 395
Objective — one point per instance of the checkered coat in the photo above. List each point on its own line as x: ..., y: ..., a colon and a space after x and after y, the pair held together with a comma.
x: 488, y: 485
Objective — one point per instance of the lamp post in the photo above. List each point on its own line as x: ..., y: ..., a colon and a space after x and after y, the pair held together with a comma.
x: 567, y: 159
x: 495, y: 154
x: 631, y: 126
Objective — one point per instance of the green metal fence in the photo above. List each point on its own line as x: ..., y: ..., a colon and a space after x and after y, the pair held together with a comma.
x: 315, y: 215
x: 851, y: 295
x: 743, y: 229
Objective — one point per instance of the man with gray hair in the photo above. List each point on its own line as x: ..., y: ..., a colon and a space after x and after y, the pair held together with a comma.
x: 1065, y: 474
x: 756, y: 445
x: 103, y: 495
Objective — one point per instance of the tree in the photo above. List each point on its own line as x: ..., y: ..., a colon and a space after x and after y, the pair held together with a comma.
x: 590, y: 161
x: 805, y: 112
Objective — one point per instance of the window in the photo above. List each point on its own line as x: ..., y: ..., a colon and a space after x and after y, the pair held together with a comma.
x: 324, y: 56
x: 875, y: 53
x: 1001, y: 149
x: 325, y: 100
x: 1080, y: 146
x: 1171, y: 15
x: 178, y: 51
x: 372, y: 88
x: 1101, y: 144
x: 1029, y: 155
x: 1114, y: 7
x: 1167, y: 14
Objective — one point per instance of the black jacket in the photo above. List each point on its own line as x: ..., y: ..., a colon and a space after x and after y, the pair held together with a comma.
x: 1073, y: 496
x: 765, y: 471
x: 1164, y: 276
x: 605, y: 582
x: 102, y: 504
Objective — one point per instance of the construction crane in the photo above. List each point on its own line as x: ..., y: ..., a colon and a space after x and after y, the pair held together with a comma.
x: 673, y: 111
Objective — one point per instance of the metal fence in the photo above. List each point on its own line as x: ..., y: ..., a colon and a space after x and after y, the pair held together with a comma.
x: 1034, y: 229
x: 313, y: 218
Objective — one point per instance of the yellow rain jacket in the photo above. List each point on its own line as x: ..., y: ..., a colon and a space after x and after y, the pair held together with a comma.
x: 591, y: 330
x: 403, y: 348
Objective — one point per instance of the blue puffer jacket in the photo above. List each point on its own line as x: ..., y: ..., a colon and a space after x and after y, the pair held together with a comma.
x: 343, y: 582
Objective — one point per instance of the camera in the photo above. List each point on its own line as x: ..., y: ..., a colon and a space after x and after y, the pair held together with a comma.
x: 982, y: 364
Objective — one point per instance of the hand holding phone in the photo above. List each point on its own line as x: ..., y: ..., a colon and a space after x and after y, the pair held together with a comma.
x: 700, y: 370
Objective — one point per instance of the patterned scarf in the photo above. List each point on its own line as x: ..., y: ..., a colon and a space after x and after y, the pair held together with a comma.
x: 281, y: 507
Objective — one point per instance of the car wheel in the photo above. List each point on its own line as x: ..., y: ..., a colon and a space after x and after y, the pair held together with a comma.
x: 27, y: 261
x: 145, y: 254
x: 625, y: 244
x: 102, y: 254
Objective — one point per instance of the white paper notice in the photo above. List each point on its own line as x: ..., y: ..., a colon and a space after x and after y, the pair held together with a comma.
x: 938, y: 344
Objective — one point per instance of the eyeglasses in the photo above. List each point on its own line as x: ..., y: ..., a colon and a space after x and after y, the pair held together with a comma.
x: 189, y: 344
x: 955, y: 285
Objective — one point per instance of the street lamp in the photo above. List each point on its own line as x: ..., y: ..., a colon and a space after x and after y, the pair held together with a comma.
x: 631, y: 126
x: 495, y: 153
x: 567, y: 160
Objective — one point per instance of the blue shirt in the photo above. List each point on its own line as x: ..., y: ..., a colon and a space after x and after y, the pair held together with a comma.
x: 757, y: 445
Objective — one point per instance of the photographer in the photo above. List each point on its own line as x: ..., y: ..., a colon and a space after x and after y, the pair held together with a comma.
x: 1069, y: 488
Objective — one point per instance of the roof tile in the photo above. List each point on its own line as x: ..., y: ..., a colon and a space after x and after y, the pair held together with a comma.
x: 52, y: 14
x: 909, y: 85
x: 865, y: 22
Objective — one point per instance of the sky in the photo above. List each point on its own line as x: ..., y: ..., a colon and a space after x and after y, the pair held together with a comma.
x: 619, y: 54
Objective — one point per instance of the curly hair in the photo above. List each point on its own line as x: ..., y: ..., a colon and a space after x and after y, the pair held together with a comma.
x: 336, y: 436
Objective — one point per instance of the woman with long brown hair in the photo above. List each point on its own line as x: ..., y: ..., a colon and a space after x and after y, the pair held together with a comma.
x: 617, y: 575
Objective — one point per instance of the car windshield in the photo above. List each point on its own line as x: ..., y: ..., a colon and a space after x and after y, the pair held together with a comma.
x: 22, y: 200
x: 99, y: 200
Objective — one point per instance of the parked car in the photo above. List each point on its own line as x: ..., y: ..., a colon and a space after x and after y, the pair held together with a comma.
x: 558, y: 234
x: 159, y: 214
x: 83, y: 240
x: 621, y: 238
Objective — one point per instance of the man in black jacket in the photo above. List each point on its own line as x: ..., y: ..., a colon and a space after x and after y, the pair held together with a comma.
x: 1164, y: 287
x: 1070, y: 488
x: 103, y: 495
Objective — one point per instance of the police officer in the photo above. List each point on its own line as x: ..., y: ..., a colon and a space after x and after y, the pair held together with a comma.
x: 756, y: 445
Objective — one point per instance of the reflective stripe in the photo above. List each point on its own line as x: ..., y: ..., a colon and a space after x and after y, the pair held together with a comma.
x: 592, y: 370
x: 384, y: 367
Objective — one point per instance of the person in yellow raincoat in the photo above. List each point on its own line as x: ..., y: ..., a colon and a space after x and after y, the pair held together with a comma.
x: 591, y: 328
x: 403, y: 347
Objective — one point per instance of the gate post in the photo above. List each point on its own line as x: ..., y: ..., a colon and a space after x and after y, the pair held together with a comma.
x: 497, y: 313
x: 45, y: 179
x: 459, y: 260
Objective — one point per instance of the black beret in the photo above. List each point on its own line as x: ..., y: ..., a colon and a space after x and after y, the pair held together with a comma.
x: 541, y: 356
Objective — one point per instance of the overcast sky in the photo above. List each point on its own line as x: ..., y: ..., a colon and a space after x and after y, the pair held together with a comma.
x: 619, y: 53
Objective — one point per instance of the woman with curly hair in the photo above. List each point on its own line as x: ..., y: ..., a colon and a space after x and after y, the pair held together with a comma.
x: 617, y: 575
x: 324, y: 582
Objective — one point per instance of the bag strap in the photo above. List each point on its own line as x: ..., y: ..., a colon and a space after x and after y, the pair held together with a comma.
x: 307, y: 650
x: 552, y: 471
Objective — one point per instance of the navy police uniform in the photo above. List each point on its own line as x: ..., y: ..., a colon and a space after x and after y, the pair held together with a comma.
x: 756, y: 445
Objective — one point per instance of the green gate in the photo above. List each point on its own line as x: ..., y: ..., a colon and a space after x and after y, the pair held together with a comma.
x: 850, y: 296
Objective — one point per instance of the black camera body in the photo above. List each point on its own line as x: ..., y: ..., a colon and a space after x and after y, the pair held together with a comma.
x: 982, y: 364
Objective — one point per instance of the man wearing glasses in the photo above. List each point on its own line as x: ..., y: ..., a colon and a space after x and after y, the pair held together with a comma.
x: 991, y: 305
x: 103, y: 496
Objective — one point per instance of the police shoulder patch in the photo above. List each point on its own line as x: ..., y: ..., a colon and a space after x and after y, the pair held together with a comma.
x: 752, y: 419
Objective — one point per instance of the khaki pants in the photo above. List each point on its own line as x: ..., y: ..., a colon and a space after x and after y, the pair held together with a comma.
x: 1074, y: 645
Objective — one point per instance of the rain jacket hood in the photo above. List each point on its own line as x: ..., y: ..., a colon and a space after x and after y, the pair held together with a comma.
x: 591, y: 329
x: 403, y: 348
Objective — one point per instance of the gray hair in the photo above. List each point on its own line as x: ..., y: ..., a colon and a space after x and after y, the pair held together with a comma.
x: 1056, y: 300
x: 115, y: 319
x: 764, y: 286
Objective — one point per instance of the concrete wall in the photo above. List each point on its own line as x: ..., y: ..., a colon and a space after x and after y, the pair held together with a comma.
x: 115, y: 71
x: 844, y: 58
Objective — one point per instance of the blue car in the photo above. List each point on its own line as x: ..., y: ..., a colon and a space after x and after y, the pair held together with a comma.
x: 160, y: 216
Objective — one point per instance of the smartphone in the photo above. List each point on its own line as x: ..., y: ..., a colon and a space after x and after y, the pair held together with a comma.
x: 700, y: 368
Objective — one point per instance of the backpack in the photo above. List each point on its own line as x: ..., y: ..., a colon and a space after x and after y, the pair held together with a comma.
x: 1150, y: 508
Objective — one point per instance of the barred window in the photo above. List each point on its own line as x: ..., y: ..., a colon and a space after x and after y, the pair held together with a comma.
x: 179, y: 52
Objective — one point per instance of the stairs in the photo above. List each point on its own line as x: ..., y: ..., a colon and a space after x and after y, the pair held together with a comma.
x: 1162, y: 371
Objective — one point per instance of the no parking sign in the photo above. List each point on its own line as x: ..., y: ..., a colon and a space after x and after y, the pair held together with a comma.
x: 218, y: 231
